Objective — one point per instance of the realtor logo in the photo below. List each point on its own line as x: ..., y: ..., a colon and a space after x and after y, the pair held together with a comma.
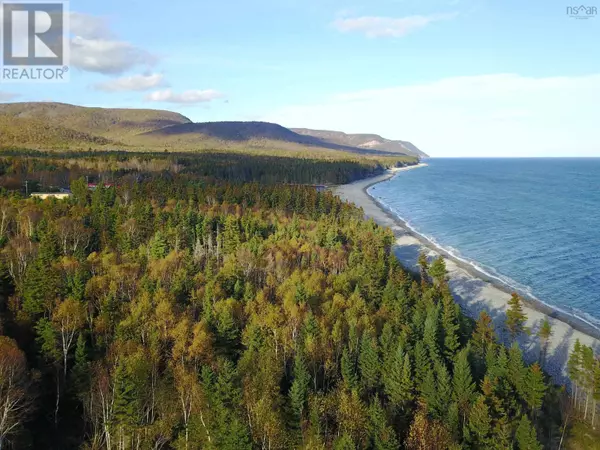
x: 582, y: 12
x: 34, y: 41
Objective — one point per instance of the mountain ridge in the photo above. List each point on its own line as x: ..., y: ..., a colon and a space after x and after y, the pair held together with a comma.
x: 364, y: 140
x: 51, y: 125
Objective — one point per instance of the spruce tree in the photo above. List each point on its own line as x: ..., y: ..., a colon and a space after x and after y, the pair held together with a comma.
x: 392, y: 379
x: 515, y: 317
x: 431, y: 336
x: 348, y: 370
x: 300, y: 386
x: 484, y: 334
x: 437, y: 270
x: 462, y: 381
x: 544, y: 334
x: 516, y: 369
x: 382, y: 435
x: 158, y: 246
x: 480, y: 423
x: 368, y: 362
x: 422, y: 362
x: 534, y: 387
x: 525, y: 436
x: 450, y: 326
x: 444, y: 390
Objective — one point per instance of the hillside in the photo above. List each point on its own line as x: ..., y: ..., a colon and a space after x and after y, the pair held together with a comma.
x: 365, y: 141
x: 110, y: 123
x: 248, y: 134
x: 29, y: 133
x: 57, y: 126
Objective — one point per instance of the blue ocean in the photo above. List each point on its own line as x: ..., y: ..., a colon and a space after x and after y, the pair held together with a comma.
x: 532, y: 224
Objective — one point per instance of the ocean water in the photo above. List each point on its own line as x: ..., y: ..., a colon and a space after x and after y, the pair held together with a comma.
x: 533, y: 224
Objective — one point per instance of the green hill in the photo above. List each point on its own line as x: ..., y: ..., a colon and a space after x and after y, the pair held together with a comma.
x: 58, y: 126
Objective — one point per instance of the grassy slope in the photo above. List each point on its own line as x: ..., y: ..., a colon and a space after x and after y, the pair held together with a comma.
x: 115, y: 124
x: 58, y: 126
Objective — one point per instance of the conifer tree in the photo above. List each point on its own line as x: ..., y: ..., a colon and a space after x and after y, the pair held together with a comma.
x: 437, y: 270
x: 444, y: 390
x: 516, y: 369
x: 534, y: 388
x: 484, y: 334
x: 480, y: 423
x: 515, y: 317
x: 422, y: 362
x: 462, y: 382
x: 431, y: 336
x: 544, y: 334
x: 348, y: 370
x: 368, y: 362
x: 300, y: 386
x: 344, y: 442
x: 525, y: 436
x: 382, y: 435
x: 159, y: 246
x: 386, y: 340
x: 397, y: 380
x: 450, y: 326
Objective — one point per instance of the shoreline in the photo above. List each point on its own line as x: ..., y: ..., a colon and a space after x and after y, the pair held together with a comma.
x: 474, y: 290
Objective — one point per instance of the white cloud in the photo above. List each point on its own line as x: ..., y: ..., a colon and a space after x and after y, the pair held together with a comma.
x: 387, y: 26
x: 88, y: 26
x: 107, y: 56
x: 488, y: 115
x: 8, y: 96
x: 94, y: 48
x: 187, y: 97
x: 132, y: 83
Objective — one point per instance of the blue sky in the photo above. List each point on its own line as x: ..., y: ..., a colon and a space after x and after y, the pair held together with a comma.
x: 455, y: 77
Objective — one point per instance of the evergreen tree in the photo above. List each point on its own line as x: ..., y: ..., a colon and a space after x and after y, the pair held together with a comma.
x: 462, y: 382
x: 515, y: 317
x: 526, y: 437
x: 344, y: 442
x: 422, y: 363
x: 437, y: 270
x: 158, y: 246
x: 348, y: 369
x: 382, y: 435
x: 450, y: 326
x: 81, y: 366
x: 480, y: 423
x: 368, y: 362
x: 544, y: 334
x: 484, y: 334
x: 300, y: 386
x: 397, y: 380
x: 534, y: 387
x: 231, y: 234
x: 516, y: 370
x: 431, y: 336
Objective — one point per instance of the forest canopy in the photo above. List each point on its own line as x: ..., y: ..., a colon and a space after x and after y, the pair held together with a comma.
x: 196, y: 311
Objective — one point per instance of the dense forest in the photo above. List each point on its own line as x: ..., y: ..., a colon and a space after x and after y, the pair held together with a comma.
x: 195, y: 309
x: 48, y: 170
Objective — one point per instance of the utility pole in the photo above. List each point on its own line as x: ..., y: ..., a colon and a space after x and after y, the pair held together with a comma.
x: 26, y: 188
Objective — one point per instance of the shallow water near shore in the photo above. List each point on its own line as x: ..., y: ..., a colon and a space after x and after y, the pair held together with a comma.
x: 531, y: 224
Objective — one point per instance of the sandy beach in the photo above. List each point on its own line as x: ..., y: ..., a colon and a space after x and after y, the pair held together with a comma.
x: 473, y: 290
